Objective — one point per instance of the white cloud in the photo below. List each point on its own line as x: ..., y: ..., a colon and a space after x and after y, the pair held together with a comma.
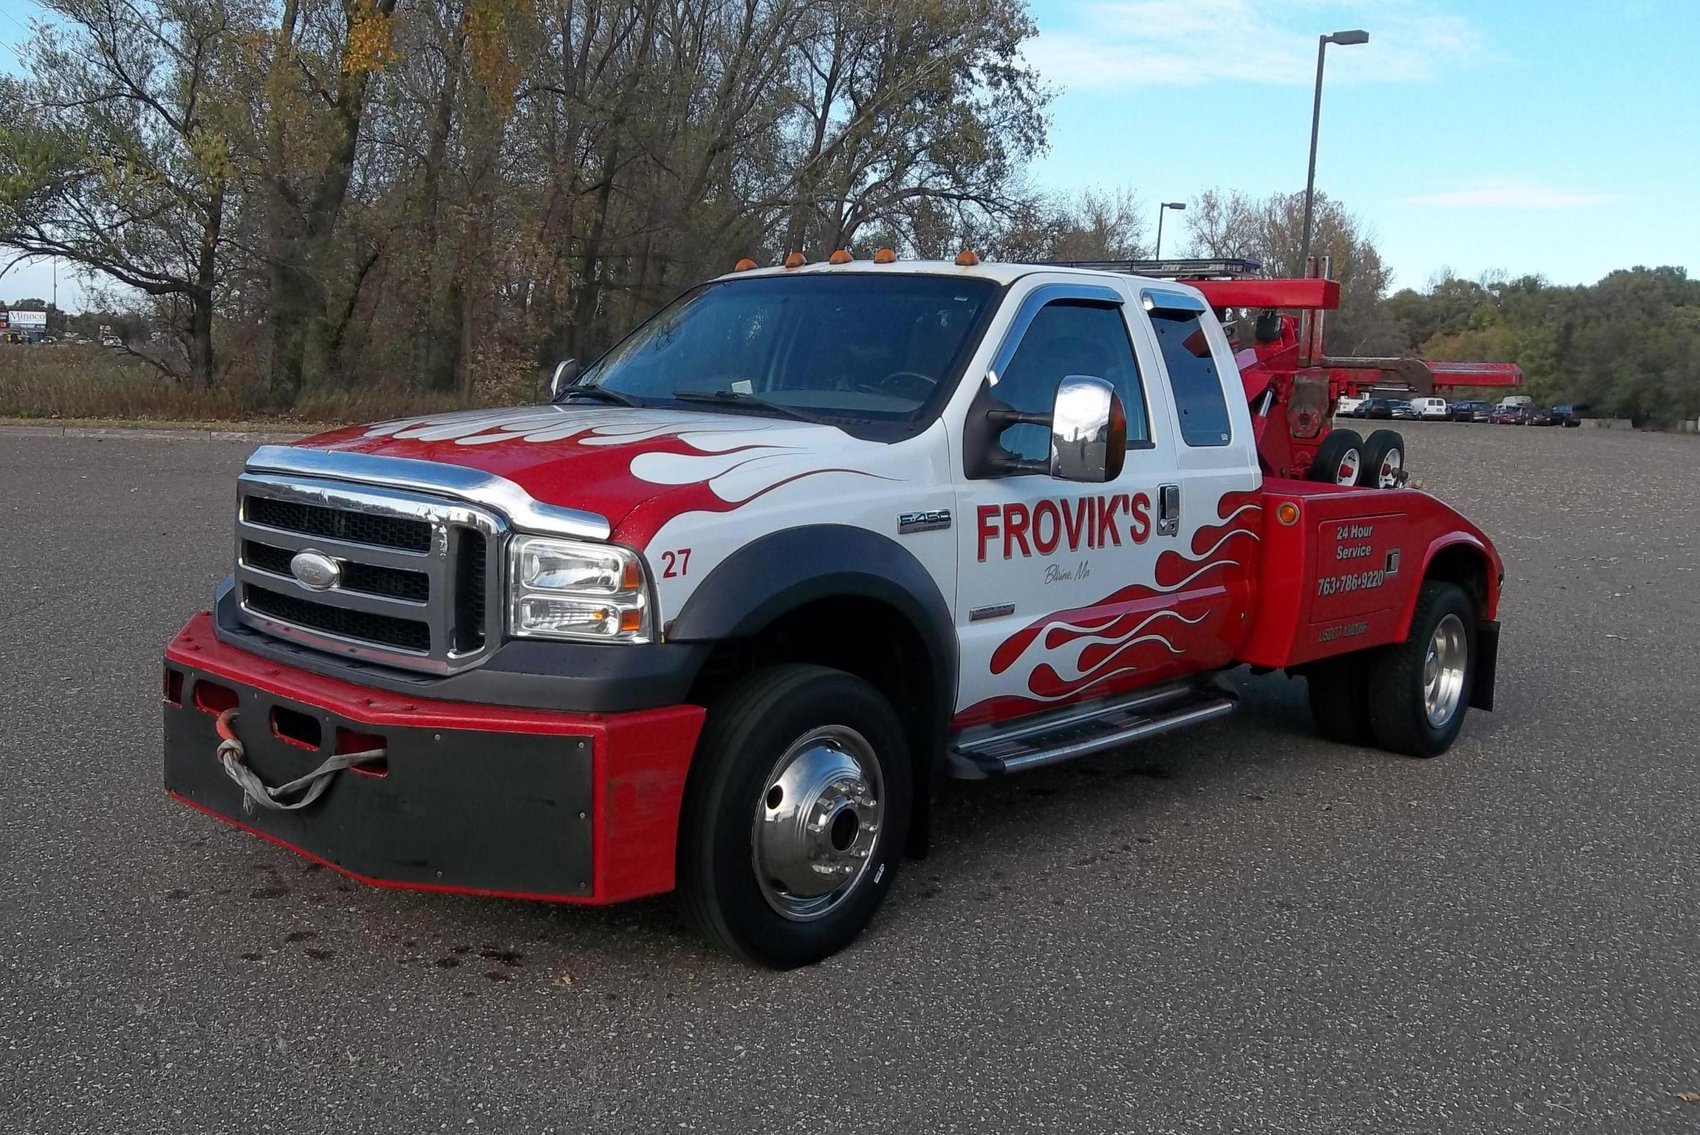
x: 1504, y: 193
x: 1113, y: 44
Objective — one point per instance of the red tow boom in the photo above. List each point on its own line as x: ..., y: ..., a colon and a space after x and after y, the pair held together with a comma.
x: 1293, y: 386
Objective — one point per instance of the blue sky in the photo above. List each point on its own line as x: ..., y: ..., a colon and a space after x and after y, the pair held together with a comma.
x: 1557, y: 137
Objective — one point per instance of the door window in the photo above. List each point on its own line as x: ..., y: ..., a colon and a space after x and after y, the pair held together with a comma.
x: 1069, y: 337
x: 1193, y: 377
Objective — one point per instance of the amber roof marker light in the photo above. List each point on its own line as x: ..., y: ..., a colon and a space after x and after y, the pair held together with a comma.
x: 744, y: 265
x: 796, y: 260
x: 885, y: 256
x: 842, y: 256
x: 967, y: 258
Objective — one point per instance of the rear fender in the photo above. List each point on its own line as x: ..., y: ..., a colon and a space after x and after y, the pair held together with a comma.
x: 1464, y: 559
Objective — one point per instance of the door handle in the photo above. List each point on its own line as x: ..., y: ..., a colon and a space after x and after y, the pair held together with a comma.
x: 1168, y: 510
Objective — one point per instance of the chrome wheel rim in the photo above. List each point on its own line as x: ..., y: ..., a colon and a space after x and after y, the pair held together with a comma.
x: 1391, y: 464
x: 1350, y: 463
x: 1443, y: 670
x: 817, y: 822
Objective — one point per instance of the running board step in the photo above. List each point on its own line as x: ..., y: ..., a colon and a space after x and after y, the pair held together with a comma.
x: 1074, y: 733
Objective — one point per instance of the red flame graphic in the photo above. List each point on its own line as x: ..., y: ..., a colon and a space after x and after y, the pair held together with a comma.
x: 1142, y: 633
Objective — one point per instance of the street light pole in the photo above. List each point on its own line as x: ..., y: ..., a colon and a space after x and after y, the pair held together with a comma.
x: 1344, y: 39
x: 1177, y: 206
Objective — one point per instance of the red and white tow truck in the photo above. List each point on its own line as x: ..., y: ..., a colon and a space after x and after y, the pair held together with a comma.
x: 722, y: 616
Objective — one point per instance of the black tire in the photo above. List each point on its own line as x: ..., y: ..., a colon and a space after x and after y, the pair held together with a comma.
x: 1339, y: 700
x: 1384, y: 460
x: 1398, y: 706
x: 749, y: 729
x: 1339, y: 450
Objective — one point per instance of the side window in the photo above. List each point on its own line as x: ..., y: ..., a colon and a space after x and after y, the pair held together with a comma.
x: 1069, y: 337
x: 1193, y: 377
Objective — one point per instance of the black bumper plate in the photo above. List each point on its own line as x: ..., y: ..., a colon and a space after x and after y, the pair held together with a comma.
x: 457, y: 809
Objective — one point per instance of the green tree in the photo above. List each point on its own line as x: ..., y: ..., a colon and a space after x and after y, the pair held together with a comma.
x: 300, y: 151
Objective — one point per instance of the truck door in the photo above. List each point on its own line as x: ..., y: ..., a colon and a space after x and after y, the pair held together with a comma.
x: 1069, y: 591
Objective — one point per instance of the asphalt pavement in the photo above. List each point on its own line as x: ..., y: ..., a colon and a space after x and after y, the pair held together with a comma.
x: 1238, y: 929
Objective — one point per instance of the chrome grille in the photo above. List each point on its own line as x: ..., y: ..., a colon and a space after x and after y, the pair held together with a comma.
x: 403, y: 532
x: 412, y: 580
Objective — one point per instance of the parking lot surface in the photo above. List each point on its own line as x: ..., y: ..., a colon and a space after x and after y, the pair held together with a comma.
x: 1242, y: 928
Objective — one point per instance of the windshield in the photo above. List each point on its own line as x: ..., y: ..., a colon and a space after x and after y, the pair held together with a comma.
x: 878, y: 351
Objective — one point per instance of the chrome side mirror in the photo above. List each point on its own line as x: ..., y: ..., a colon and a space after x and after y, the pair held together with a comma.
x: 565, y: 372
x: 1088, y: 430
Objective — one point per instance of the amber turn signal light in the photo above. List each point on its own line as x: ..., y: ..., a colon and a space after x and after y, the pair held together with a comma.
x: 1287, y: 513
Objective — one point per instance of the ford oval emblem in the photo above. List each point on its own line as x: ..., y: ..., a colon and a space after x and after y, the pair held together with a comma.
x: 315, y: 570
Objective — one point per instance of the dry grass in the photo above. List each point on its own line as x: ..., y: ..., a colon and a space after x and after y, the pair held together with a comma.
x: 70, y: 382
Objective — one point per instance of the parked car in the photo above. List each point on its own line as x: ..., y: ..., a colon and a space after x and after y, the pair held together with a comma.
x: 1566, y: 414
x: 1399, y: 408
x: 1376, y: 408
x: 1471, y: 410
x: 1430, y: 409
x: 1511, y: 401
x: 1539, y: 416
x: 1349, y: 405
x: 1509, y: 416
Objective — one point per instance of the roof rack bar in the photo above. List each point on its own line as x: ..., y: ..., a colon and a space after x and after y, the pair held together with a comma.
x: 1228, y: 266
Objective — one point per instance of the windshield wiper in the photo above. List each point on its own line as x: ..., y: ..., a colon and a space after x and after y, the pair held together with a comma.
x: 740, y: 398
x: 597, y: 393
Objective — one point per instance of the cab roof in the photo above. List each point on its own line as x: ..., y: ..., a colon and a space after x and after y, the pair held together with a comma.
x: 1000, y: 273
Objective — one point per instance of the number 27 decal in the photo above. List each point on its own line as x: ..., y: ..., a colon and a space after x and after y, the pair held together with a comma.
x: 675, y: 564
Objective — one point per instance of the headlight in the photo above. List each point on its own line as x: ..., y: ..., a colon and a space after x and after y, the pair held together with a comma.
x: 567, y: 589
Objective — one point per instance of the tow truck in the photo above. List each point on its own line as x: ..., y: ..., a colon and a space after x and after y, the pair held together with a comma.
x: 723, y: 615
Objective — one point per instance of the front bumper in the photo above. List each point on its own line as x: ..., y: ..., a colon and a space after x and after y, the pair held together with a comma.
x: 470, y: 798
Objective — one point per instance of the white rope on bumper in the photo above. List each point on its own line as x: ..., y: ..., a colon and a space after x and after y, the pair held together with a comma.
x: 255, y: 792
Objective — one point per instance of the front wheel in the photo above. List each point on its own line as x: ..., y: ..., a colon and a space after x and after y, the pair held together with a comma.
x: 1418, y: 690
x: 794, y: 816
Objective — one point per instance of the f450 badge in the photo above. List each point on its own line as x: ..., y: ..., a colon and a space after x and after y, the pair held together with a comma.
x: 933, y: 520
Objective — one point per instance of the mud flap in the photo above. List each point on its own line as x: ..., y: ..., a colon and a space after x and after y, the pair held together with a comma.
x: 1487, y: 665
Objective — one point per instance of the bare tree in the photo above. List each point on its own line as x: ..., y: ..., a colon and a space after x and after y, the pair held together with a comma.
x: 116, y: 155
x: 1270, y: 230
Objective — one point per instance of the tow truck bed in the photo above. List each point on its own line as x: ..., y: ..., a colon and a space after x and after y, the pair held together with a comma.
x: 1342, y: 569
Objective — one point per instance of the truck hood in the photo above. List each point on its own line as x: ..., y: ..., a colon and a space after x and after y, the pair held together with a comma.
x: 611, y: 460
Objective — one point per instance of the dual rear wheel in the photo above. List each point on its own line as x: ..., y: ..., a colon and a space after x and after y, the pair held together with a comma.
x: 1409, y: 697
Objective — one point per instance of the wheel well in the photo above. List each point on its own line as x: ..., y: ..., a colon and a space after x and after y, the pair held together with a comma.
x: 861, y: 636
x: 1465, y: 566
